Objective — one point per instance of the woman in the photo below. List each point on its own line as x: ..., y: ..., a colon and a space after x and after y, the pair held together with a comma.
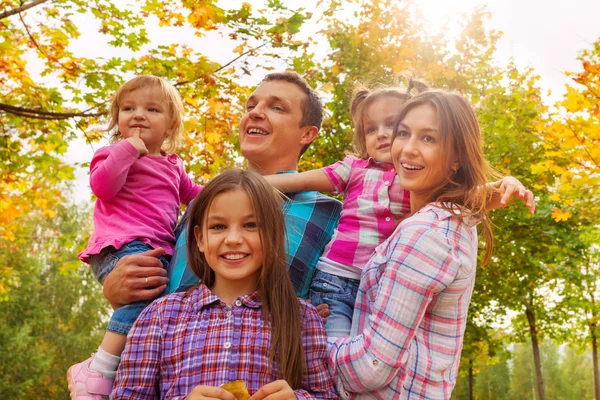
x: 411, y: 309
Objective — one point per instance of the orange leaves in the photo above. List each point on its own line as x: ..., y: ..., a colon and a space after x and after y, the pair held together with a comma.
x: 591, y: 68
x: 558, y: 215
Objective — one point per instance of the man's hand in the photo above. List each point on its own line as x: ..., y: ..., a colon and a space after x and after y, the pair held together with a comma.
x: 278, y: 390
x: 508, y: 188
x: 202, y: 392
x: 136, y: 277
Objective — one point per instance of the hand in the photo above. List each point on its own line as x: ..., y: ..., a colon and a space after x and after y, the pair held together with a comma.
x: 323, y: 310
x: 278, y: 390
x: 126, y: 283
x: 510, y: 187
x: 137, y: 142
x: 202, y: 392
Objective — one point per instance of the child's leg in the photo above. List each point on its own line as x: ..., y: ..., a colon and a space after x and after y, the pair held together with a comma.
x: 339, y: 294
x: 93, y: 377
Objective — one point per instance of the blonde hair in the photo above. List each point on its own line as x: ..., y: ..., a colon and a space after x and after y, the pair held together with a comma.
x: 170, y: 95
x: 279, y: 302
x: 363, y: 97
x: 459, y: 130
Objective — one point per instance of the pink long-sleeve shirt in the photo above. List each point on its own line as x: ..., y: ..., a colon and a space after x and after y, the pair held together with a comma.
x: 138, y: 198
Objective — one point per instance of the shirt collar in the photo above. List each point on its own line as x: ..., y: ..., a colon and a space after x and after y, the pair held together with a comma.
x: 380, y: 164
x: 202, y: 297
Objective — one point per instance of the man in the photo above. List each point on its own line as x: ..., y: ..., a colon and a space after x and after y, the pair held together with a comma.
x: 283, y: 116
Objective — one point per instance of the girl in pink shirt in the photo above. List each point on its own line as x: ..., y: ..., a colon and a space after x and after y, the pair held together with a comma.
x: 139, y: 189
x: 374, y: 200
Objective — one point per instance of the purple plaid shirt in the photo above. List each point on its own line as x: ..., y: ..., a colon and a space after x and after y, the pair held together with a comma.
x: 410, y: 313
x: 180, y: 342
x: 373, y: 202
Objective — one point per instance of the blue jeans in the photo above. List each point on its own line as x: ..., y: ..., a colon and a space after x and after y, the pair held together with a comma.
x: 102, y: 264
x: 340, y: 294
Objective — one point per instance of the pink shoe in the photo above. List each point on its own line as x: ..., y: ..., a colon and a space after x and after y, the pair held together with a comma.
x: 85, y: 384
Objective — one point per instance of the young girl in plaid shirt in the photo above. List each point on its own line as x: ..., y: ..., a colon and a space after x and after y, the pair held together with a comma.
x: 242, y: 322
x: 411, y: 310
x: 374, y: 200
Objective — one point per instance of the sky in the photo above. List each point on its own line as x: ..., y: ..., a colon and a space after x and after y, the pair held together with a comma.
x: 546, y: 35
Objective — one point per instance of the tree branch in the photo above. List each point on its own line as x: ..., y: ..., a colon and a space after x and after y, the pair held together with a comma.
x: 41, y: 114
x: 226, y: 65
x: 24, y: 7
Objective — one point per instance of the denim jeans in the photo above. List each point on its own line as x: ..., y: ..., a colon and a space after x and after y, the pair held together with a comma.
x: 104, y: 262
x: 340, y: 294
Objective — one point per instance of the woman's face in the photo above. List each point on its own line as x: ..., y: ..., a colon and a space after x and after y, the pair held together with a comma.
x: 418, y: 155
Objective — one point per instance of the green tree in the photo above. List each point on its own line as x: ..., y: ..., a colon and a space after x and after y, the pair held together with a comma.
x: 53, y: 312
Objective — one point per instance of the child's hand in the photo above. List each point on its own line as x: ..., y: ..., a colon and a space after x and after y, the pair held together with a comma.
x: 511, y: 187
x: 278, y: 390
x: 202, y: 392
x: 137, y: 142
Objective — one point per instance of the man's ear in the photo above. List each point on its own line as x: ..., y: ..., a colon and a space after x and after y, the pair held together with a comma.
x: 198, y: 236
x: 308, y: 135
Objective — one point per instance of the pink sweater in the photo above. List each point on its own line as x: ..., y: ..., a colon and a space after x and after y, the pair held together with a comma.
x: 138, y: 198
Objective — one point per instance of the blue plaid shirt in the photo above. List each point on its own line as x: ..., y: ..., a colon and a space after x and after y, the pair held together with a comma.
x: 310, y: 219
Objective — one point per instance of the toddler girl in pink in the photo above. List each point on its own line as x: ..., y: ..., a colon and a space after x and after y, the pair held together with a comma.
x: 139, y: 188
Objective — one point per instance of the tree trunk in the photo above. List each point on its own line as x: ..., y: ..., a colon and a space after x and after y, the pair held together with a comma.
x: 595, y: 360
x: 471, y: 380
x: 536, y: 351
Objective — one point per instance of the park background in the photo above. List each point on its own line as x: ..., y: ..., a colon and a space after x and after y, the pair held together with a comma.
x: 532, y: 330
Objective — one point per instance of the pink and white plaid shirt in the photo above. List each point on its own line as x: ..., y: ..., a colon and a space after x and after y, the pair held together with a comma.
x: 410, y: 313
x: 373, y: 201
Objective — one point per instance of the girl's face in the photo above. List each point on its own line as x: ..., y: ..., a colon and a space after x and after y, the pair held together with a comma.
x: 378, y: 125
x: 418, y: 154
x: 145, y: 111
x: 230, y: 241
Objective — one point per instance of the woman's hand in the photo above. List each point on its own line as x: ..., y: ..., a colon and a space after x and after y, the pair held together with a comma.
x: 202, y: 392
x: 278, y: 390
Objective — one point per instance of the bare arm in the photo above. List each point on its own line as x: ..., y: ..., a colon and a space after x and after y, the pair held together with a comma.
x: 304, y: 181
x: 507, y: 188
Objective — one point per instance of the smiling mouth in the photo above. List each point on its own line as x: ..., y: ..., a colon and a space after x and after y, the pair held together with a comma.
x: 234, y: 256
x: 256, y: 131
x: 411, y: 167
x: 383, y: 146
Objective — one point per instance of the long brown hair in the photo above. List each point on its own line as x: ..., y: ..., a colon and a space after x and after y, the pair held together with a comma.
x: 279, y: 302
x: 459, y: 131
x: 363, y: 97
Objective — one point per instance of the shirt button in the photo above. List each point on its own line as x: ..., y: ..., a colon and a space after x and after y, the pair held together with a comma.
x: 392, y: 170
x: 227, y: 345
x: 375, y: 362
x: 238, y: 303
x: 387, y: 182
x: 228, y: 313
x: 387, y: 219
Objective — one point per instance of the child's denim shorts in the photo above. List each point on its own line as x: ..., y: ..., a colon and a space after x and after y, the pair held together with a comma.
x: 102, y: 264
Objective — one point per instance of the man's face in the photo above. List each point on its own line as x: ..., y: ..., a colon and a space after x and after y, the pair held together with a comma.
x: 270, y: 129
